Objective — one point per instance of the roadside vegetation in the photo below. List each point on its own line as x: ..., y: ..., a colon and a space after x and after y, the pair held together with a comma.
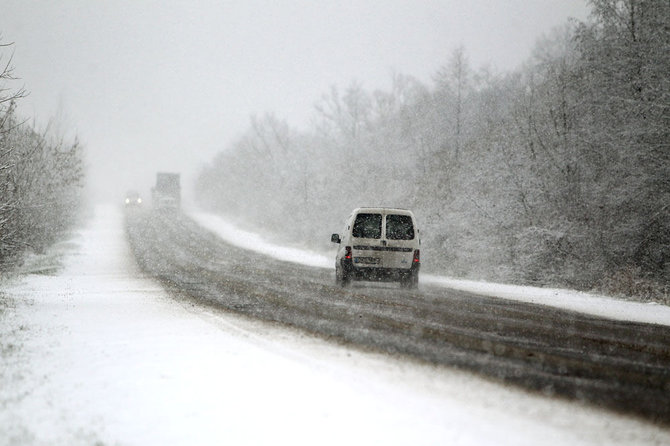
x: 557, y: 173
x: 41, y: 178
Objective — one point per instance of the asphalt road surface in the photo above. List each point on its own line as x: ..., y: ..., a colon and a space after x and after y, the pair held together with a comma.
x: 621, y: 366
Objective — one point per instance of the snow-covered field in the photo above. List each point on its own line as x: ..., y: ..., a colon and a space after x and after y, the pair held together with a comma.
x: 99, y: 355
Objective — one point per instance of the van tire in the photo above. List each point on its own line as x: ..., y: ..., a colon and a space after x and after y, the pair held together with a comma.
x: 410, y: 281
x: 342, y: 278
x: 414, y: 281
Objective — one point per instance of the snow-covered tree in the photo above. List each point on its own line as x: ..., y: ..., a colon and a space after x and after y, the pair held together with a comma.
x: 40, y: 179
x: 556, y: 173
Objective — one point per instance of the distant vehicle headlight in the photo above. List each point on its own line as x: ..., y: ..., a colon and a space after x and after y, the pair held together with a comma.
x: 139, y: 201
x: 127, y: 200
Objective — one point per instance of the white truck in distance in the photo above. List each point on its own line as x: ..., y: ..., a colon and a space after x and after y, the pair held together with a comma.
x: 166, y: 194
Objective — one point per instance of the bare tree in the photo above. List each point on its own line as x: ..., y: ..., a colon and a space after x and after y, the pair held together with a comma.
x: 40, y: 180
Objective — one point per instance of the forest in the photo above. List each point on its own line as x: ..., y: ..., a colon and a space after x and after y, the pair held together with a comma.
x: 41, y: 178
x: 554, y: 174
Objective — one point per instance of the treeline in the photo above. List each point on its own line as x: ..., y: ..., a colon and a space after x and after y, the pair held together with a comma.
x: 557, y: 173
x: 40, y: 180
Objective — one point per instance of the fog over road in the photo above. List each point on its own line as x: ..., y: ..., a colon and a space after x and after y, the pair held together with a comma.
x: 623, y: 366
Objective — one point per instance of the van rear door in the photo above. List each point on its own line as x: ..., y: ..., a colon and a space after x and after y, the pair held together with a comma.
x: 399, y: 241
x: 367, y: 240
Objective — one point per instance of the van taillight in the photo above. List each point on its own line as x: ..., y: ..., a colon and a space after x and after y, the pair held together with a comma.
x: 347, y: 252
x: 416, y: 256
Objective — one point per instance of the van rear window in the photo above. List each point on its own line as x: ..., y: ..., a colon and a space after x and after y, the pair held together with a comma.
x: 368, y: 226
x: 399, y: 227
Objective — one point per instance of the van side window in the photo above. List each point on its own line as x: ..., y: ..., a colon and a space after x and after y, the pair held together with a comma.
x: 368, y: 226
x: 399, y: 227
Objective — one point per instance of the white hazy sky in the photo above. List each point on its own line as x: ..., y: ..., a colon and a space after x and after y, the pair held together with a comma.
x: 165, y: 84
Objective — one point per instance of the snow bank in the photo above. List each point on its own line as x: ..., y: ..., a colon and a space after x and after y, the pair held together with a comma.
x: 603, y: 306
x: 587, y: 303
x: 251, y: 241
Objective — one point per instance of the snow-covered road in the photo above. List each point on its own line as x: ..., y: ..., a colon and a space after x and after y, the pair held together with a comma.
x: 98, y: 354
x: 588, y: 303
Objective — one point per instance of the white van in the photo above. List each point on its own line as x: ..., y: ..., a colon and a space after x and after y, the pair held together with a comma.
x: 380, y: 244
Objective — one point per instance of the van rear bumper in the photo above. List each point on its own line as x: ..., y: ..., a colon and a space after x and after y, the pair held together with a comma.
x: 379, y: 274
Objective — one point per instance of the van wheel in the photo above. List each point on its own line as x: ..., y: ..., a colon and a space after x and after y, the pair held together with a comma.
x: 414, y: 280
x: 341, y: 277
x: 410, y: 281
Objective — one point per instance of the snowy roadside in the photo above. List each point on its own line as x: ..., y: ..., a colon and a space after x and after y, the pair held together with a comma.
x: 588, y: 303
x: 97, y: 354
